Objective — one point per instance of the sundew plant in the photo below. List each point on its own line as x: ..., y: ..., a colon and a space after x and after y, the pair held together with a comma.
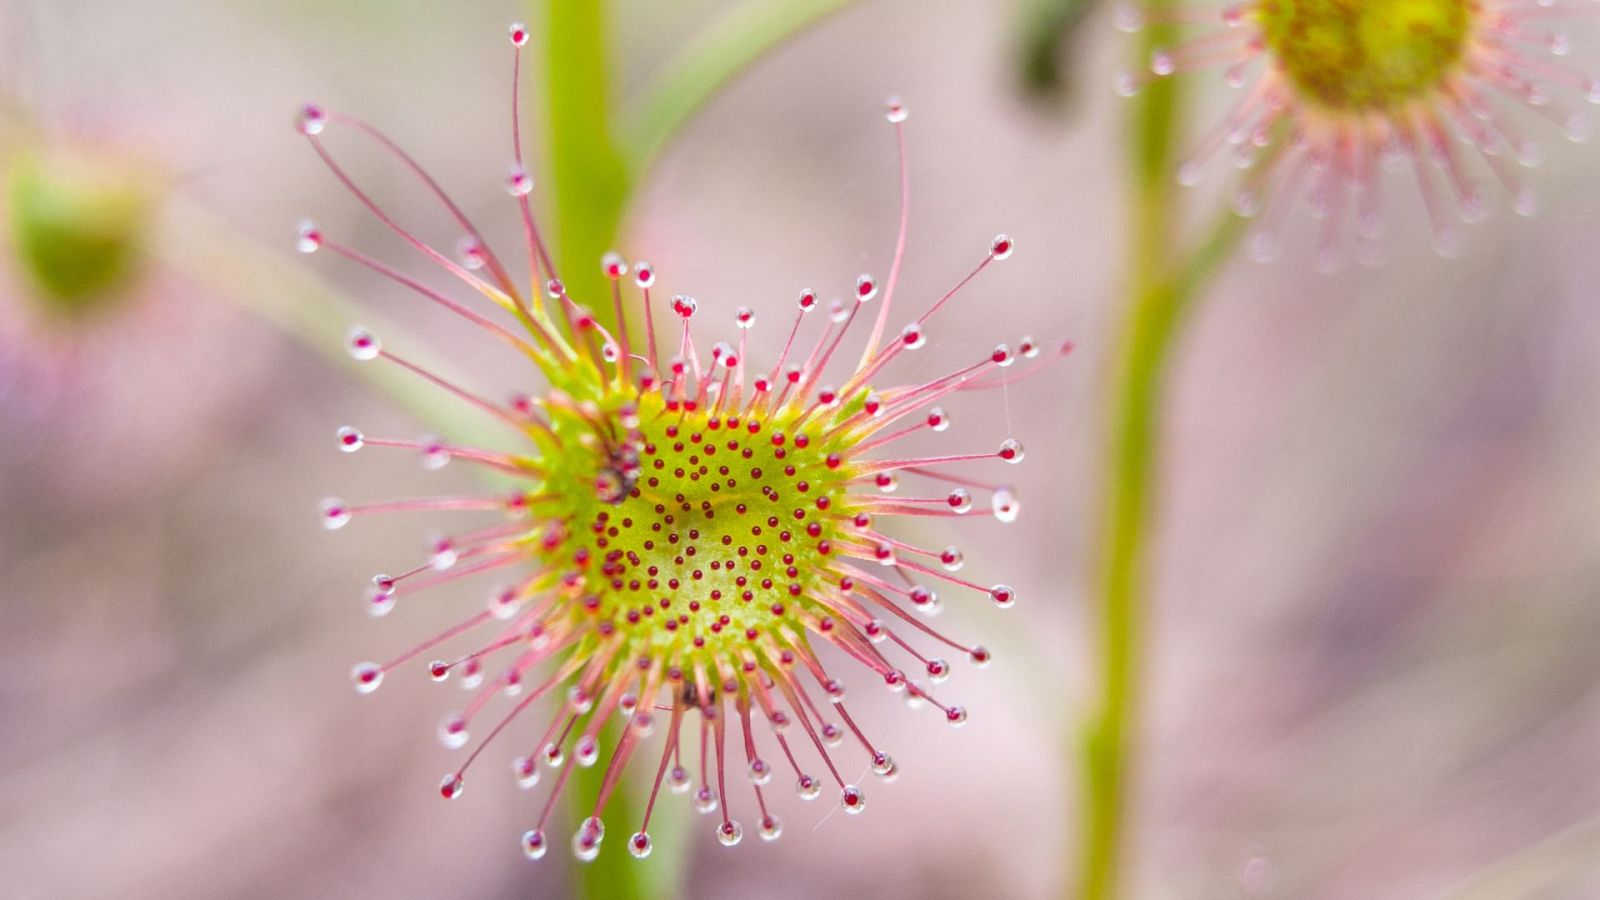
x: 688, y: 525
x: 698, y: 549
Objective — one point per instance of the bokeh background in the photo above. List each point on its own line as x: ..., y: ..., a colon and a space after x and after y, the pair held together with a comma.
x: 1374, y: 667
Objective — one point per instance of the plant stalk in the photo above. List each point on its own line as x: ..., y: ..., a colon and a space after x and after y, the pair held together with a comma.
x: 1155, y: 303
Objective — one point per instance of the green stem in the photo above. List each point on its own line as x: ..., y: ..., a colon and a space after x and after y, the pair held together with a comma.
x: 590, y: 184
x: 589, y: 178
x: 1161, y: 284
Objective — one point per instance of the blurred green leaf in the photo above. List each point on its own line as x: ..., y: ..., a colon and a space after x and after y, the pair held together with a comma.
x: 708, y: 62
x: 1047, y: 28
x: 79, y: 227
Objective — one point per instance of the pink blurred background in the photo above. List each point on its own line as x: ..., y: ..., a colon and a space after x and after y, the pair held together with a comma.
x: 1374, y: 667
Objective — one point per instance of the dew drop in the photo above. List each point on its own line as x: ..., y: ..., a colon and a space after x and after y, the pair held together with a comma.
x: 518, y: 182
x: 1001, y: 247
x: 771, y: 828
x: 1011, y: 450
x: 980, y: 656
x: 362, y: 344
x: 744, y: 317
x: 309, y: 239
x: 729, y: 833
x: 894, y: 111
x: 882, y: 763
x: 938, y: 670
x: 938, y: 419
x: 952, y: 559
x: 1127, y: 18
x: 367, y: 676
x: 866, y: 288
x: 613, y: 266
x: 1001, y: 356
x: 644, y: 274
x: 525, y: 769
x: 678, y: 780
x: 580, y: 701
x: 912, y: 336
x: 684, y: 305
x: 852, y: 799
x: 639, y: 845
x: 586, y: 842
x: 807, y: 787
x: 452, y: 786
x: 837, y: 312
x: 453, y: 731
x: 883, y: 552
x: 587, y: 751
x: 1163, y: 63
x: 335, y: 514
x: 1005, y: 505
x: 895, y: 680
x: 1003, y: 595
x: 644, y: 724
x: 832, y: 734
x: 350, y: 440
x: 503, y: 603
x: 533, y: 844
x: 442, y: 554
x: 808, y: 300
x: 312, y: 119
x: 439, y: 670
x: 380, y: 596
x: 760, y: 772
x: 705, y: 800
x: 519, y: 33
x: 470, y: 252
x: 956, y: 716
x: 960, y: 500
x: 554, y: 289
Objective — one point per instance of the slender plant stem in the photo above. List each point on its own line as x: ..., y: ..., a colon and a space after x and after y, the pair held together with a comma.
x: 589, y: 178
x: 1161, y: 283
x: 591, y: 184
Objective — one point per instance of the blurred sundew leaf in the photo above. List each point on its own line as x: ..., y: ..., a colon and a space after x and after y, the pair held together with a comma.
x: 79, y: 228
x: 286, y: 293
x: 1046, y: 28
x: 707, y: 63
